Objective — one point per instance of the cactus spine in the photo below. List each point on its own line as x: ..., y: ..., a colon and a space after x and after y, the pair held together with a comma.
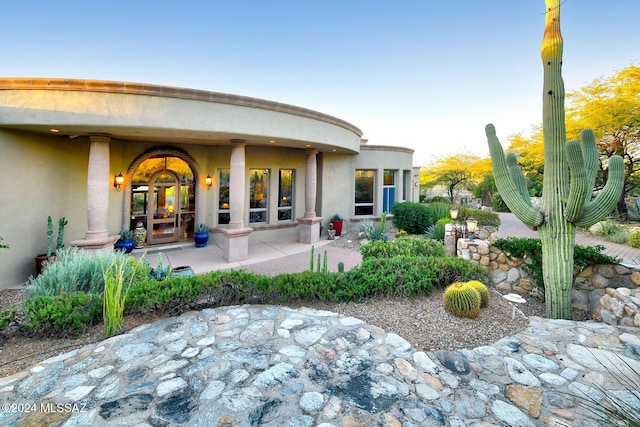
x: 462, y: 300
x: 567, y: 193
x: 485, y: 296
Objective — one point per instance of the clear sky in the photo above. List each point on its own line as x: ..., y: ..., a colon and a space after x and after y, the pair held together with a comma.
x: 423, y: 74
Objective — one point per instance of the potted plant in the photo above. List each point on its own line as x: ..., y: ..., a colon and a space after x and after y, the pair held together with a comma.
x: 125, y: 242
x: 50, y: 255
x: 336, y: 221
x: 201, y: 235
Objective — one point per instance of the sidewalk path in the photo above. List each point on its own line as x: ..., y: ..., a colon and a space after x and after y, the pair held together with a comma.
x: 510, y: 226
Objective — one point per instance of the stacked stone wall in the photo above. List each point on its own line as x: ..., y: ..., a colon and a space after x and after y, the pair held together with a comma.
x: 610, y: 292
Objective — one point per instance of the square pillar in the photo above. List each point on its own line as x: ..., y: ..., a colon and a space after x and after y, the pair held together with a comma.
x: 236, y: 244
x: 309, y: 229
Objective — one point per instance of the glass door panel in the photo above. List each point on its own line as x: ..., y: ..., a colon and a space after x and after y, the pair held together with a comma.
x: 164, y: 209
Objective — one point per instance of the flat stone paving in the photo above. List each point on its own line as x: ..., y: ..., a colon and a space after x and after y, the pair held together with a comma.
x: 276, y: 366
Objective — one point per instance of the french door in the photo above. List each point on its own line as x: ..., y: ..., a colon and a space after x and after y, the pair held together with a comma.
x: 163, y: 210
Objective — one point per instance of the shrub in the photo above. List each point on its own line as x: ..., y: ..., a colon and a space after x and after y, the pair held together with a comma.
x: 462, y: 300
x: 484, y: 218
x: 62, y: 315
x: 305, y: 285
x: 81, y: 271
x: 400, y: 275
x: 409, y: 246
x: 450, y: 269
x: 412, y: 217
x: 485, y: 295
x: 634, y: 239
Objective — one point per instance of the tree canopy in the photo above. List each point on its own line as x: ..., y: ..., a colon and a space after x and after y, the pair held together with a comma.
x: 454, y: 172
x: 611, y: 108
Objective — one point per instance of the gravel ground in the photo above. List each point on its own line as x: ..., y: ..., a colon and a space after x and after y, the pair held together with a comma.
x: 422, y: 321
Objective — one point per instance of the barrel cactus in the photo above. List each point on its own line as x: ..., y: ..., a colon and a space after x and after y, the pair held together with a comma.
x: 567, y: 192
x: 462, y: 300
x: 485, y: 296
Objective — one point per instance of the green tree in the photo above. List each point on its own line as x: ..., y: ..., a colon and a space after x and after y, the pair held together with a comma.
x: 611, y: 107
x: 453, y: 172
x: 567, y: 192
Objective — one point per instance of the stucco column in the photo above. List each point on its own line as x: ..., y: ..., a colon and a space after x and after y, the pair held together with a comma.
x: 236, y: 235
x: 237, y: 184
x: 98, y: 185
x: 310, y: 184
x: 310, y: 223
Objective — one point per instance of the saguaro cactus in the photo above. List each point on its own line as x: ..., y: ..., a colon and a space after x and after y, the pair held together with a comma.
x: 569, y: 175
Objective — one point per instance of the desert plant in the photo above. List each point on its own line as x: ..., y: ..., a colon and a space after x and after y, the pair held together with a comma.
x: 439, y: 210
x: 3, y: 245
x: 436, y: 232
x: 371, y: 231
x: 115, y: 295
x: 485, y: 295
x: 462, y: 300
x: 634, y: 239
x: 81, y: 271
x: 62, y: 222
x: 126, y: 235
x: 567, y: 193
x: 202, y: 228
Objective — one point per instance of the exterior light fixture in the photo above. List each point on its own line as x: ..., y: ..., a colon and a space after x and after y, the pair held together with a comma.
x: 453, y: 213
x: 209, y: 181
x: 118, y: 180
x: 472, y: 226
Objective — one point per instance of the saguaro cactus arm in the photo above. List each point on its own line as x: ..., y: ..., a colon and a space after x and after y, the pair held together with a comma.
x: 590, y: 155
x: 604, y: 203
x: 578, y: 178
x: 519, y: 203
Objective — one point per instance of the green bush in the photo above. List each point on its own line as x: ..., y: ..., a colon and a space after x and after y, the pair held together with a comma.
x: 634, y: 239
x: 304, y: 286
x: 400, y: 275
x: 76, y: 270
x: 414, y: 218
x: 450, y: 269
x: 371, y: 231
x: 484, y: 218
x: 62, y: 315
x: 435, y: 232
x: 409, y: 246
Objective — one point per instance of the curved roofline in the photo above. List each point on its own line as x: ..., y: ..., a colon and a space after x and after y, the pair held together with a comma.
x: 373, y: 147
x: 84, y: 85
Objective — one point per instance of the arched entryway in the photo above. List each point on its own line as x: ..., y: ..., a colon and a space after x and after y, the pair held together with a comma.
x: 164, y: 194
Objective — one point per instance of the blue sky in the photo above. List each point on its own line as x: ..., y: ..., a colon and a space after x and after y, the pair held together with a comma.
x: 423, y: 74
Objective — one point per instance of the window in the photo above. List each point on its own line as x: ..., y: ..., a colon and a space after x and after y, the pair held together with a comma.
x: 224, y: 215
x: 364, y: 192
x: 285, y: 195
x: 258, y: 192
x: 388, y: 190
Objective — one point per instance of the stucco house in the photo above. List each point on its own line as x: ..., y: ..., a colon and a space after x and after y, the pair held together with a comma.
x: 247, y: 168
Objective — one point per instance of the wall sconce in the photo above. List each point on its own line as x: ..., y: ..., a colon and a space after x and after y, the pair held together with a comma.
x: 208, y: 181
x: 416, y: 184
x: 118, y: 180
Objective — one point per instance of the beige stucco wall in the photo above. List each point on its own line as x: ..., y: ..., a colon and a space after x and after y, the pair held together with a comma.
x: 41, y: 176
x: 337, y: 180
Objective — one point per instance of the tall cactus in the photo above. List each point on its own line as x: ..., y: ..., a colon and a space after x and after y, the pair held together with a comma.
x: 569, y: 175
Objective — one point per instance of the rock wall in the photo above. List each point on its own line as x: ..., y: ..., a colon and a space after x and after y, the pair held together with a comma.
x: 611, y: 292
